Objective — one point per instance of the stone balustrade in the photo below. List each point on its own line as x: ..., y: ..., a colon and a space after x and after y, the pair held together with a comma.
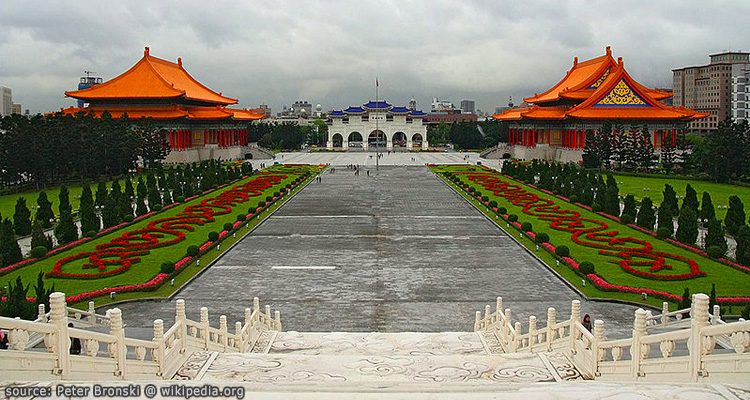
x: 693, y: 353
x: 112, y: 355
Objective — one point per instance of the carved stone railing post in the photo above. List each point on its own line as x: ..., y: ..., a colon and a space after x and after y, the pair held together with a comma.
x: 117, y: 350
x: 551, y: 321
x: 158, y: 354
x: 238, y: 342
x: 180, y: 319
x: 204, y: 327
x: 487, y: 316
x: 532, y: 333
x: 224, y: 330
x: 477, y: 321
x: 256, y: 307
x: 716, y: 315
x: 498, y: 311
x: 41, y: 314
x: 269, y: 322
x: 277, y: 320
x: 597, y: 355
x: 636, y: 351
x: 698, y: 320
x: 92, y: 314
x: 506, y: 325
x: 58, y: 316
x: 664, y: 312
x: 575, y: 317
x: 516, y: 337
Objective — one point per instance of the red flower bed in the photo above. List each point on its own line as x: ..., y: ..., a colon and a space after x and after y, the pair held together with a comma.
x: 120, y: 253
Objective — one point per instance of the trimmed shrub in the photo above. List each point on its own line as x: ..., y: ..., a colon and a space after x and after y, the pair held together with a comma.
x: 157, y: 207
x: 596, y: 207
x: 192, y: 250
x: 627, y: 219
x: 562, y: 251
x: 573, y: 198
x: 663, y: 232
x: 180, y: 199
x: 493, y: 204
x: 715, y: 251
x: 241, y: 217
x: 228, y: 226
x: 478, y: 194
x: 471, y: 189
x: 269, y: 198
x: 502, y: 210
x: 213, y: 236
x: 586, y: 267
x: 261, y: 204
x: 128, y: 218
x: 526, y: 227
x: 38, y: 252
x: 485, y: 198
x: 91, y: 234
x: 167, y: 268
x: 542, y: 237
x: 512, y: 217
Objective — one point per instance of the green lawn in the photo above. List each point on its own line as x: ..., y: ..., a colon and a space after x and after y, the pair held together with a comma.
x: 642, y: 187
x: 150, y: 264
x: 729, y: 282
x: 8, y: 201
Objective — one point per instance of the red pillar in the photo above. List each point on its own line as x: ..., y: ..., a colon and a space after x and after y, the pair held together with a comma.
x: 583, y: 139
x: 674, y: 137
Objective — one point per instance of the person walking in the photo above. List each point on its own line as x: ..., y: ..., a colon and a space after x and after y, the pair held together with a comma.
x: 75, y: 343
x: 3, y: 340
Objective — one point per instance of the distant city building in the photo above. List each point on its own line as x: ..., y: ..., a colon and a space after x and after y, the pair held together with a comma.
x: 15, y: 108
x: 412, y: 104
x: 467, y: 106
x: 86, y: 82
x: 6, y: 101
x: 441, y: 105
x: 377, y: 124
x: 449, y: 117
x: 300, y: 109
x: 266, y: 110
x: 708, y: 88
x: 741, y: 96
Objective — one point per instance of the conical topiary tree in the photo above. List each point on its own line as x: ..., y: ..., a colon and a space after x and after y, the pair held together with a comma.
x: 665, y: 222
x: 140, y: 188
x: 691, y: 198
x: 89, y: 219
x: 154, y: 198
x: 66, y: 230
x: 44, y: 212
x: 101, y: 194
x: 687, y: 226
x: 22, y: 218
x: 735, y: 215
x: 64, y: 201
x: 110, y: 216
x: 707, y: 208
x: 129, y: 193
x: 715, y: 235
x: 670, y: 197
x: 646, y: 217
x: 612, y: 203
x: 10, y: 252
x: 629, y: 206
x: 38, y: 238
x: 742, y: 252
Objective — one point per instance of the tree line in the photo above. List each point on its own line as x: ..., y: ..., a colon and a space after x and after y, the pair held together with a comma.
x: 601, y: 193
x: 124, y: 199
x: 45, y: 150
x: 468, y: 135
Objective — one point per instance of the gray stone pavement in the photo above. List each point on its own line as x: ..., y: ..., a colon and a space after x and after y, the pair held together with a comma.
x: 395, y: 251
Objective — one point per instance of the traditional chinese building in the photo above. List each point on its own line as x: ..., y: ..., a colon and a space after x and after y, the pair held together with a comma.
x: 377, y: 124
x: 197, y: 121
x: 593, y: 92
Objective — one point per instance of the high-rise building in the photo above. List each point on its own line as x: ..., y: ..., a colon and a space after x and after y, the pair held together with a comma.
x: 708, y: 88
x: 467, y: 106
x: 6, y: 101
x: 441, y: 105
x: 741, y: 95
x: 15, y: 108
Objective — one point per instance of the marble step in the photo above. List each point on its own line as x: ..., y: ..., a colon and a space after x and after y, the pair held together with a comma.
x: 302, y: 372
x: 405, y: 343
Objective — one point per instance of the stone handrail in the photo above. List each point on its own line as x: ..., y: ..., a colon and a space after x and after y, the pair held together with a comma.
x: 693, y: 354
x: 107, y: 356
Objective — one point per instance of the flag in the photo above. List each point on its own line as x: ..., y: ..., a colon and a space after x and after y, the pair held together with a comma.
x: 376, y: 82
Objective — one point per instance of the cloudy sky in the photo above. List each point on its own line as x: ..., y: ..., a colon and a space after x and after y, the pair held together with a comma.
x: 330, y: 52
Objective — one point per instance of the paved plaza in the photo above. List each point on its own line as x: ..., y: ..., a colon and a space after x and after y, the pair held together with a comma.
x: 369, y: 159
x: 394, y: 251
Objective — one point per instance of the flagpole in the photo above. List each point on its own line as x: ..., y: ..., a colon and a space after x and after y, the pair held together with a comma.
x: 377, y: 129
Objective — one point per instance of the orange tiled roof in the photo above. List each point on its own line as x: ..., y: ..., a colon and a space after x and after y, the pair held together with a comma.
x: 152, y: 78
x: 581, y: 76
x: 170, y: 112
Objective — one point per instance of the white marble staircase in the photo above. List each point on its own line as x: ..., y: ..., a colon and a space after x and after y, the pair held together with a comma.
x: 376, y: 361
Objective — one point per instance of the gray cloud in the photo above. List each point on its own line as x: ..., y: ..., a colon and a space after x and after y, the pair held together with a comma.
x: 329, y: 52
